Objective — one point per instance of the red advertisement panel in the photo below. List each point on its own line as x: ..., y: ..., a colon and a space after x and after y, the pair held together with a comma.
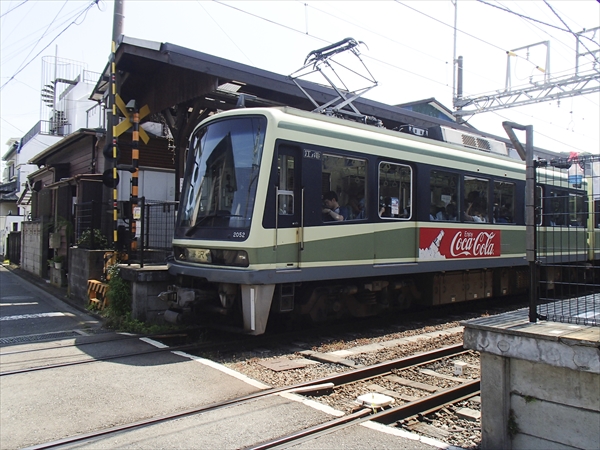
x: 451, y: 243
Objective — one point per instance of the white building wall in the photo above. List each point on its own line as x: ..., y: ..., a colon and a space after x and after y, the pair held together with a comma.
x: 77, y: 103
x: 8, y: 209
x: 34, y: 146
x: 153, y: 184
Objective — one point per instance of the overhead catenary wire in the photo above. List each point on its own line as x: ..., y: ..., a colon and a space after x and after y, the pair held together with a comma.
x: 12, y: 9
x: 544, y: 34
x: 338, y: 17
x: 571, y: 31
x: 538, y: 132
x: 24, y: 43
x: 530, y: 18
x: 382, y: 60
x: 379, y: 60
x: 43, y: 35
x: 94, y: 2
x: 328, y: 42
x: 224, y: 32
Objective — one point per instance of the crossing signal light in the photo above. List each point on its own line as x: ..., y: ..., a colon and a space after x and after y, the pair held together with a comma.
x: 109, y: 180
x: 107, y: 151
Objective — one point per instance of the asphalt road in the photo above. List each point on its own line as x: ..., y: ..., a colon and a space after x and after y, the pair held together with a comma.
x: 47, y: 405
x: 28, y: 312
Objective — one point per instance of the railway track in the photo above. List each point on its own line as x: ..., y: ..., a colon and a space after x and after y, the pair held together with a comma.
x: 213, y: 343
x: 219, y: 345
x: 333, y: 381
x: 387, y: 416
x: 316, y: 387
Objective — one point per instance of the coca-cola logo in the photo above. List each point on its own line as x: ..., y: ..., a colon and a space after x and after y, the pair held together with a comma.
x: 470, y: 244
x: 443, y: 243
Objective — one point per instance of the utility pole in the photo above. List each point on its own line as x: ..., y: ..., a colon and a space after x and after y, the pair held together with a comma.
x: 112, y: 149
x: 118, y: 20
x: 454, y: 60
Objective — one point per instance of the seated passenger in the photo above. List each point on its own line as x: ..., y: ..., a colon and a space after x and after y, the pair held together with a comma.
x: 479, y: 216
x: 357, y: 208
x: 437, y: 211
x: 504, y: 216
x: 451, y: 212
x: 331, y: 212
x: 476, y: 211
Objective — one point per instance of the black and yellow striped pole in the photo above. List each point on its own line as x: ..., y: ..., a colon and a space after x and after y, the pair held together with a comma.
x: 114, y: 123
x: 135, y: 156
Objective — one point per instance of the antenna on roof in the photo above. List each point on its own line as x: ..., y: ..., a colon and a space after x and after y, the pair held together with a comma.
x: 322, y: 61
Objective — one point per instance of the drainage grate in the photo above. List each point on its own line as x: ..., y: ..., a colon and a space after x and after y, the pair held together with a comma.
x: 39, y: 337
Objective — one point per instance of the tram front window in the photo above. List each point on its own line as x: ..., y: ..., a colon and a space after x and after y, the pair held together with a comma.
x: 222, y: 172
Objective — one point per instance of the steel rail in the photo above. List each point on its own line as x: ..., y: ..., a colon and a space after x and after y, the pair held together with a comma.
x: 386, y: 367
x: 387, y: 416
x: 208, y: 346
x: 426, y: 404
x: 118, y: 338
x: 314, y: 385
x: 317, y: 430
x: 101, y: 358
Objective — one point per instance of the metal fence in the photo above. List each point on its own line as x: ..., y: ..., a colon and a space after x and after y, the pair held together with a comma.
x: 567, y: 239
x: 88, y: 226
x: 154, y: 229
x: 13, y: 247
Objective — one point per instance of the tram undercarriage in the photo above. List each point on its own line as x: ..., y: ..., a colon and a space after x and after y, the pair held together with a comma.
x: 248, y: 308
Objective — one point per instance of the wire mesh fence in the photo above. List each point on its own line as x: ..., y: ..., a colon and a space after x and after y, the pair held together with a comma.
x: 158, y: 224
x: 155, y: 225
x: 88, y: 226
x: 568, y: 239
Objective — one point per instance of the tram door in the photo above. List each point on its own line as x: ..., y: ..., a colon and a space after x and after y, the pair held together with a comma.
x: 289, y: 207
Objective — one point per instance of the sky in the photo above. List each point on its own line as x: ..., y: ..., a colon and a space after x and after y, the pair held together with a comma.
x: 408, y: 48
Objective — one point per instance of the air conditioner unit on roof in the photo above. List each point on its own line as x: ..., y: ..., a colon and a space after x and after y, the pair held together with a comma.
x: 452, y: 136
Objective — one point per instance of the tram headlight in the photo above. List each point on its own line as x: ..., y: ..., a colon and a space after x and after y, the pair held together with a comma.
x: 238, y: 258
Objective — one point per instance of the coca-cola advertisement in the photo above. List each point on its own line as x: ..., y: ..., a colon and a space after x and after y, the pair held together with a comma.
x: 451, y: 243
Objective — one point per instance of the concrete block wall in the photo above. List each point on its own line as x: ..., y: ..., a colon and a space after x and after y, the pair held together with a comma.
x: 84, y: 265
x: 540, y: 382
x: 531, y: 405
x: 58, y: 277
x: 33, y: 256
x: 146, y: 306
x: 146, y: 284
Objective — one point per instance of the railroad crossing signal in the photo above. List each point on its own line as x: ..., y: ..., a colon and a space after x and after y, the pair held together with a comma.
x: 108, y: 177
x: 128, y: 122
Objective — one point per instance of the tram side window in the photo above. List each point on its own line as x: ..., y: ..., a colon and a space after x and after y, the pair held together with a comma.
x: 504, y: 202
x: 559, y: 213
x: 577, y: 210
x: 443, y: 196
x: 395, y: 190
x: 346, y: 177
x: 476, y: 201
x: 285, y: 190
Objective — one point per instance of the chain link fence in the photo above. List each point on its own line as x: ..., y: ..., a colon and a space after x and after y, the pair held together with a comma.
x: 568, y: 239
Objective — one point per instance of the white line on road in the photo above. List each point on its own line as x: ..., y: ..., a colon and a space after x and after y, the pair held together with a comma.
x: 19, y: 304
x: 32, y: 316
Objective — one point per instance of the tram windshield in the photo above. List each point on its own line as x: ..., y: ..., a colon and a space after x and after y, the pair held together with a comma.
x: 222, y: 172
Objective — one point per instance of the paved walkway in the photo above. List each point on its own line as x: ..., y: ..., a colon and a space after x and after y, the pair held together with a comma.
x: 48, y: 405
